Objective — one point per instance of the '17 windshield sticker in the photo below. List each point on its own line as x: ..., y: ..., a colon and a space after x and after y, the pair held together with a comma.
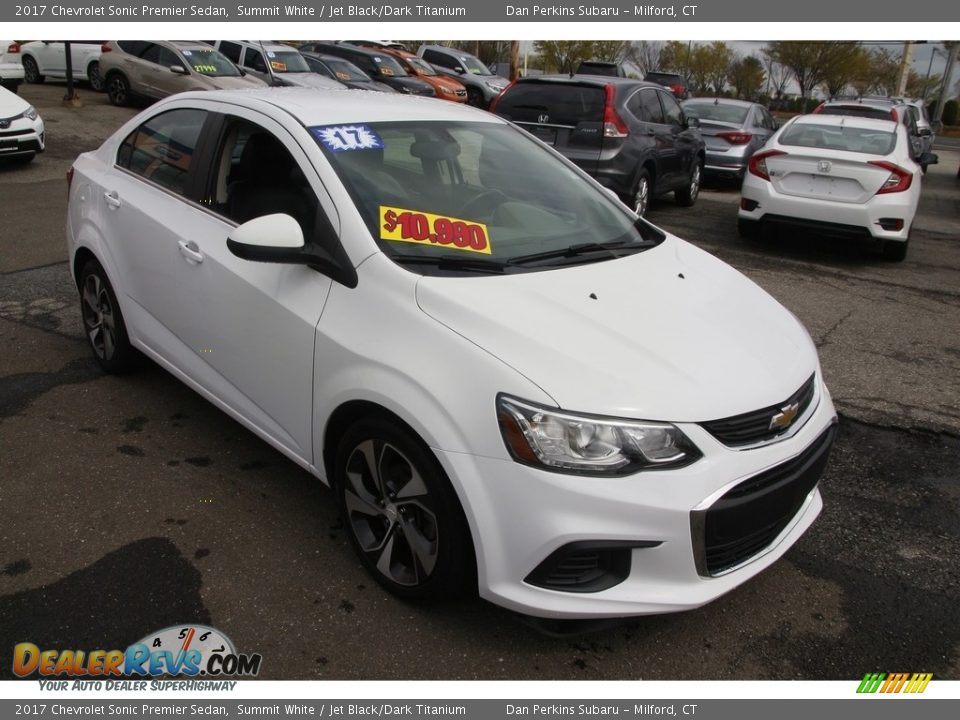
x: 338, y: 138
x: 402, y: 225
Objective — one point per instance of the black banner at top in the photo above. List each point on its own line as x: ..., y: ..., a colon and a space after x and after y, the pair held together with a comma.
x: 610, y: 11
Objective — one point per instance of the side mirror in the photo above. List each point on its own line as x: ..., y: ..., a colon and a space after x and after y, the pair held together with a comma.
x: 459, y: 70
x: 692, y: 123
x: 928, y: 159
x: 278, y: 238
x: 924, y: 132
x: 178, y: 70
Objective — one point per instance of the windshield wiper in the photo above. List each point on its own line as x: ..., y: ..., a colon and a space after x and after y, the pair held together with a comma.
x: 448, y: 262
x: 580, y: 250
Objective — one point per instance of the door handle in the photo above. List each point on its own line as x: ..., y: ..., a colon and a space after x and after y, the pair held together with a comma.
x: 190, y: 251
x: 112, y: 198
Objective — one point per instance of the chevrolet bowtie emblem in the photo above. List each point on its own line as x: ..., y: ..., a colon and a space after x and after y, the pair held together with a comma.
x: 783, y: 419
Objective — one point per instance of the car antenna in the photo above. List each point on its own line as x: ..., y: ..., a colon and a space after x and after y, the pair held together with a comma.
x: 266, y: 60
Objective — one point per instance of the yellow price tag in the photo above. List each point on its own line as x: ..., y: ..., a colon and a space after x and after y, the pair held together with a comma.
x: 401, y: 225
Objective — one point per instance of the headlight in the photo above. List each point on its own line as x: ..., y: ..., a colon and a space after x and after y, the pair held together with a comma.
x: 589, y: 444
x: 494, y: 86
x: 31, y: 113
x: 404, y: 89
x: 446, y: 91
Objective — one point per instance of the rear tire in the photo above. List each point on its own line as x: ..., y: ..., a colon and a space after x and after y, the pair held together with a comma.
x: 748, y: 229
x: 895, y: 251
x: 687, y: 195
x: 103, y: 322
x: 31, y: 73
x: 118, y: 90
x: 93, y: 76
x: 639, y: 201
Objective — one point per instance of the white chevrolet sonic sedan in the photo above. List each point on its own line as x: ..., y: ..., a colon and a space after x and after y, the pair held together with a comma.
x: 512, y: 383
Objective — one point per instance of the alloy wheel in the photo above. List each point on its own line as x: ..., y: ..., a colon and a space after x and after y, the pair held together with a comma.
x: 391, y: 513
x: 98, y: 317
x: 641, y: 198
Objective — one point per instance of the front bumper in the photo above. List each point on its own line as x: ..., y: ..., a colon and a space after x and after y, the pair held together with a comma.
x: 521, y: 516
x: 23, y: 136
x: 833, y: 217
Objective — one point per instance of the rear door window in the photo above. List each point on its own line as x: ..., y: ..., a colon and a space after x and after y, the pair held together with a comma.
x: 162, y: 149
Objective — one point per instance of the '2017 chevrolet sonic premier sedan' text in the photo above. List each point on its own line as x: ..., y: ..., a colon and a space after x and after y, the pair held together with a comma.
x: 511, y: 382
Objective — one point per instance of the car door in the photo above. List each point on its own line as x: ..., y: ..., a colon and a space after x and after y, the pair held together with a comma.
x: 684, y: 144
x: 155, y: 73
x: 51, y: 58
x: 656, y: 133
x: 243, y: 332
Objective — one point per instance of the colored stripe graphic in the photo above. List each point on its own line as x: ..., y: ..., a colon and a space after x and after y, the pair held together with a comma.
x: 894, y: 682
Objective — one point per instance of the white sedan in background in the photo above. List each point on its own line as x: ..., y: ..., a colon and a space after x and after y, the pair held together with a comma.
x: 11, y: 69
x: 21, y: 129
x: 504, y: 380
x: 840, y: 175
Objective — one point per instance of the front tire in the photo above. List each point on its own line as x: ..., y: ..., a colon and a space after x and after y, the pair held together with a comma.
x: 687, y: 195
x: 103, y: 322
x: 475, y: 97
x: 401, y: 513
x: 118, y: 90
x: 31, y: 73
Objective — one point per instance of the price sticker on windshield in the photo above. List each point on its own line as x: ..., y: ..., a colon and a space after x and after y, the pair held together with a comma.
x: 203, y: 69
x: 401, y: 225
x: 278, y: 66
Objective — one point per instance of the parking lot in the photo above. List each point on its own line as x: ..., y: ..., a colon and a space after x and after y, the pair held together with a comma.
x: 128, y: 504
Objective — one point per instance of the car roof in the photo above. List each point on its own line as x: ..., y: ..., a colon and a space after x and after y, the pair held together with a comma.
x: 587, y: 79
x: 720, y: 101
x: 185, y: 44
x: 355, y: 48
x: 315, y: 106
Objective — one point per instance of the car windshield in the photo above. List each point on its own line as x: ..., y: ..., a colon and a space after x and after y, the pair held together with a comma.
x: 421, y: 65
x: 346, y: 70
x: 209, y: 62
x: 287, y: 61
x: 718, y: 112
x: 869, y: 141
x: 474, y: 66
x: 389, y: 67
x: 444, y: 197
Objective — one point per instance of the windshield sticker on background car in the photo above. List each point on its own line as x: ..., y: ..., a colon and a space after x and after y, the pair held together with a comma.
x: 343, y: 76
x: 187, y: 53
x: 337, y: 138
x: 203, y: 69
x: 386, y: 71
x: 401, y: 225
x: 278, y: 66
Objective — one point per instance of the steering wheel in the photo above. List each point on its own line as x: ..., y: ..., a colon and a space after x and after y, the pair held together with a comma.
x: 481, y: 204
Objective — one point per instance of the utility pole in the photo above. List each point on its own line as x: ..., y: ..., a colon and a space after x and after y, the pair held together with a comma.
x: 904, y: 68
x: 71, y: 98
x: 514, y: 59
x: 945, y: 85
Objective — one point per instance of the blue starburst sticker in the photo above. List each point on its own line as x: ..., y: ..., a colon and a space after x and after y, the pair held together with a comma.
x: 339, y: 138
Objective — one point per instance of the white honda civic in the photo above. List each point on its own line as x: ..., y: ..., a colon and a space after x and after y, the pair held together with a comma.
x: 840, y: 175
x: 511, y: 382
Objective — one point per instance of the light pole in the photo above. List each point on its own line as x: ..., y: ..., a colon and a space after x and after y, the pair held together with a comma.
x: 926, y: 83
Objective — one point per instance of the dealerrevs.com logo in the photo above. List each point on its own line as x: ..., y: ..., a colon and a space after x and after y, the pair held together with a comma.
x: 894, y: 682
x: 179, y: 650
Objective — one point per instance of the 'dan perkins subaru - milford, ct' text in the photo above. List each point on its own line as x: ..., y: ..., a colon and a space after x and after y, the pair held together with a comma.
x: 598, y: 10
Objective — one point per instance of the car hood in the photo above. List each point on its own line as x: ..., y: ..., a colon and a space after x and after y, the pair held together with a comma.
x: 668, y: 334
x: 232, y: 83
x: 11, y: 104
x: 309, y: 80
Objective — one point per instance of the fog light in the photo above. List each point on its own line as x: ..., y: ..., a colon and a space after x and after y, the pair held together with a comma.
x: 891, y: 223
x: 748, y: 205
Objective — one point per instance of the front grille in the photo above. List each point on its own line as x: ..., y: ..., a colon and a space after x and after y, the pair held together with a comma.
x: 750, y: 516
x: 586, y: 566
x: 15, y: 133
x: 754, y: 427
